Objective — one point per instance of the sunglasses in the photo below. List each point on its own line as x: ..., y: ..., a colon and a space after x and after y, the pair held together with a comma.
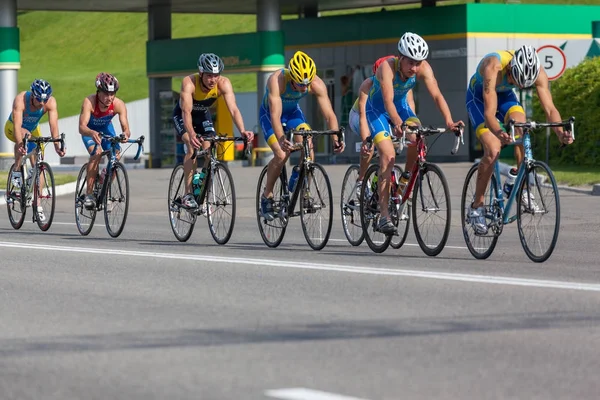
x: 43, y: 101
x: 301, y: 85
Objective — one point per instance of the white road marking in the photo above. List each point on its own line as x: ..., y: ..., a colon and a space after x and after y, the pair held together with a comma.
x: 306, y: 394
x: 409, y: 244
x: 497, y: 280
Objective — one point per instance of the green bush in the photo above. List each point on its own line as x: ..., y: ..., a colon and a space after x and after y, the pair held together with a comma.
x: 576, y: 93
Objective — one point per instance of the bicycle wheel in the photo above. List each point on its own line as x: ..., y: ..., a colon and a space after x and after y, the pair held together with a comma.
x: 44, y: 198
x: 350, y: 207
x: 316, y: 207
x: 220, y: 204
x: 181, y: 219
x: 16, y: 200
x: 116, y: 200
x: 431, y: 209
x: 481, y: 246
x: 272, y: 232
x: 402, y: 221
x: 538, y: 212
x: 84, y: 218
x: 369, y: 213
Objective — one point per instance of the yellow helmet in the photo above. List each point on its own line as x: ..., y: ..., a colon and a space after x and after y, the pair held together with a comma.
x: 302, y: 68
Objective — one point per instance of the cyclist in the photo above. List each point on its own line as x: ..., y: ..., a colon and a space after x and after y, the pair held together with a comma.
x: 490, y: 97
x: 95, y: 120
x: 284, y: 90
x: 199, y: 91
x: 28, y: 109
x: 387, y: 109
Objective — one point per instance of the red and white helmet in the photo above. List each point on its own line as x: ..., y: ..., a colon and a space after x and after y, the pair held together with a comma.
x: 106, y: 82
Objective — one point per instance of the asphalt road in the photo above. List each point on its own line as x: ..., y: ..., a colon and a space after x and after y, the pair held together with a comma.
x: 146, y: 317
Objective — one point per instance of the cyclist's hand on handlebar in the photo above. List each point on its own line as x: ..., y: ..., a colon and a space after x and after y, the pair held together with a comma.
x: 248, y: 135
x: 60, y: 152
x: 21, y: 147
x: 338, y: 146
x: 366, y: 148
x: 504, y: 137
x: 455, y: 126
x: 96, y: 137
x: 196, y: 141
x: 397, y: 130
x: 285, y: 144
x: 565, y: 137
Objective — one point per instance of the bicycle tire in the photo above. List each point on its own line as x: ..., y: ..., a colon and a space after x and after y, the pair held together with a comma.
x: 182, y: 221
x: 369, y: 213
x: 218, y: 196
x: 402, y: 223
x: 534, y: 183
x: 116, y: 200
x: 481, y: 247
x: 272, y: 232
x: 16, y: 200
x: 431, y: 209
x: 316, y: 199
x: 45, y: 171
x: 84, y: 218
x: 350, y: 207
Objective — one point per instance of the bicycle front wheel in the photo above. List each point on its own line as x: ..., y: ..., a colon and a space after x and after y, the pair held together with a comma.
x: 350, y: 207
x: 220, y: 204
x: 84, y: 218
x: 431, y: 209
x: 538, y: 212
x: 316, y: 207
x: 16, y: 201
x: 401, y: 220
x: 272, y: 232
x: 116, y: 201
x: 369, y: 212
x: 181, y: 219
x: 480, y: 246
x: 44, y: 199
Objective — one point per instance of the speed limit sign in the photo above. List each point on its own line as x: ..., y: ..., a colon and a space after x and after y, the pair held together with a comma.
x: 553, y: 60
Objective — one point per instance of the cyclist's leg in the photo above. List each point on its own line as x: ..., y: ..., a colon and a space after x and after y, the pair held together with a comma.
x: 9, y: 133
x: 380, y: 133
x: 279, y: 156
x: 189, y: 162
x: 365, y: 157
x: 297, y: 121
x: 409, y: 118
x: 510, y: 108
x: 206, y: 129
x: 92, y: 167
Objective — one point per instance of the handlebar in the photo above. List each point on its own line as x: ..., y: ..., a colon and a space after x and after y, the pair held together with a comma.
x: 43, y: 139
x: 121, y: 139
x: 340, y: 133
x: 568, y: 125
x: 427, y: 131
x: 222, y: 138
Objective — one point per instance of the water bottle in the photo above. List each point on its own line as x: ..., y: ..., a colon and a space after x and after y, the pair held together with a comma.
x: 102, y: 175
x: 510, y: 181
x: 29, y: 177
x: 294, y: 178
x: 404, y: 178
x: 197, y: 181
x: 374, y: 183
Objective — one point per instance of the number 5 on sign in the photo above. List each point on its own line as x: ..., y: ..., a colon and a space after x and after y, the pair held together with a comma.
x: 553, y: 60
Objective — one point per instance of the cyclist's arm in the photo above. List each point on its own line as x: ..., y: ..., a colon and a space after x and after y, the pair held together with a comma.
x: 426, y: 74
x: 275, y: 105
x: 319, y: 90
x: 385, y: 76
x: 121, y: 109
x: 489, y: 71
x: 84, y: 118
x: 17, y: 116
x: 410, y: 98
x: 363, y: 95
x: 543, y: 91
x: 187, y: 103
x: 226, y: 89
x: 52, y: 109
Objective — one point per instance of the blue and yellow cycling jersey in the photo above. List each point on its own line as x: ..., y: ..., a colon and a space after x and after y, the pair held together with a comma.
x: 289, y: 98
x: 401, y: 88
x: 504, y: 56
x: 31, y: 119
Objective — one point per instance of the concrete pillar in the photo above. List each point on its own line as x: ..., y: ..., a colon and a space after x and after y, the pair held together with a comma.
x: 596, y: 29
x: 268, y: 20
x: 10, y: 62
x: 159, y: 27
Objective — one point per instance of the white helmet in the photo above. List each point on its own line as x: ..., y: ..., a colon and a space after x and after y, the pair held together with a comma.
x: 210, y: 63
x: 413, y: 46
x: 525, y: 66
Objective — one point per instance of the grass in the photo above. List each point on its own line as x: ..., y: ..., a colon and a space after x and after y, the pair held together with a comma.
x: 59, y: 179
x: 568, y: 174
x: 69, y: 48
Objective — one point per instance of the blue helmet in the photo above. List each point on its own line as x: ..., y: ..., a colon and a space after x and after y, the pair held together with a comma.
x: 41, y: 90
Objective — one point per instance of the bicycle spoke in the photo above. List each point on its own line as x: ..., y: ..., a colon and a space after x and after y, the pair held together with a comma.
x: 181, y: 219
x: 316, y: 210
x: 116, y: 201
x: 220, y: 204
x: 84, y: 218
x: 350, y: 207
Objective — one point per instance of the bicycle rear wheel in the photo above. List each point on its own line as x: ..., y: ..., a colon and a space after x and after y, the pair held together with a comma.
x: 16, y: 200
x: 116, y: 201
x: 369, y: 212
x: 181, y: 219
x: 402, y: 221
x: 44, y: 199
x: 538, y: 212
x: 220, y: 204
x: 84, y: 218
x: 316, y: 207
x: 350, y: 207
x: 431, y: 209
x: 272, y: 232
x: 481, y: 246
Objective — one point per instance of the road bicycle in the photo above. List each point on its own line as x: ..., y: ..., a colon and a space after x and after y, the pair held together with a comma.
x: 36, y: 188
x: 537, y: 201
x: 110, y: 194
x: 429, y: 204
x: 216, y: 198
x: 312, y: 193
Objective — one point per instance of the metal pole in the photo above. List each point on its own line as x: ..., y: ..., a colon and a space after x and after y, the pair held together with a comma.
x: 548, y: 136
